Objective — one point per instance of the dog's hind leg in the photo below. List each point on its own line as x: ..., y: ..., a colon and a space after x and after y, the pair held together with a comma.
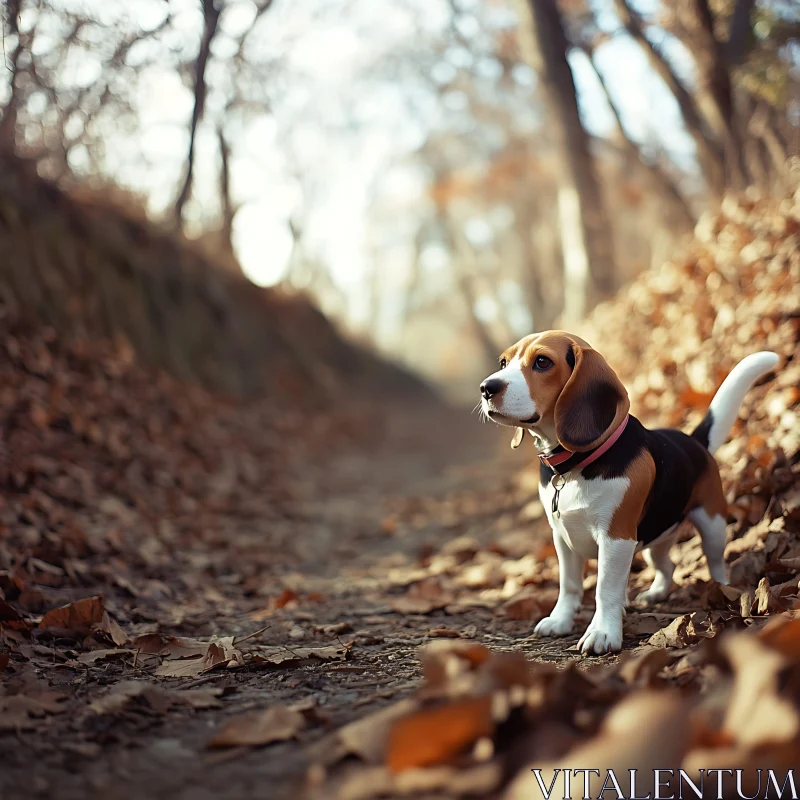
x: 657, y: 556
x: 713, y: 534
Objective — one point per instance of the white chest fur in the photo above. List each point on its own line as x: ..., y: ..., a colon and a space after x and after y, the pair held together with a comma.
x: 586, y: 508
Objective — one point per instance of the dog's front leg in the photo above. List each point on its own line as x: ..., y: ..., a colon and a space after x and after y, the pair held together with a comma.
x: 570, y: 590
x: 604, y: 634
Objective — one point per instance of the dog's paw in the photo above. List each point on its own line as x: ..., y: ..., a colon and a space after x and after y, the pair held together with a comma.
x: 601, y: 638
x: 650, y: 597
x: 554, y: 626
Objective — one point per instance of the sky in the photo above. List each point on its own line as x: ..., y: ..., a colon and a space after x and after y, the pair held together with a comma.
x: 341, y: 128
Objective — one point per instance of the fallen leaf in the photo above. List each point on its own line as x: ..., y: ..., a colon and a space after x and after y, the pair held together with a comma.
x: 688, y: 629
x: 99, y: 655
x: 531, y: 605
x: 433, y: 735
x: 642, y: 624
x: 18, y: 711
x: 155, y: 698
x: 443, y: 660
x: 783, y: 635
x: 202, y: 657
x: 296, y: 656
x: 645, y: 732
x: 421, y: 598
x: 757, y: 714
x: 443, y: 633
x: 365, y: 737
x: 256, y: 728
x: 11, y: 618
x: 113, y: 630
x: 286, y: 597
x: 79, y: 616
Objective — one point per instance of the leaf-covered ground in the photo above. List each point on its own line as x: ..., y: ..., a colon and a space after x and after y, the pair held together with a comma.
x: 200, y: 598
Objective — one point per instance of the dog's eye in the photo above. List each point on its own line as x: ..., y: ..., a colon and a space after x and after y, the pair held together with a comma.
x: 502, y: 363
x: 542, y: 363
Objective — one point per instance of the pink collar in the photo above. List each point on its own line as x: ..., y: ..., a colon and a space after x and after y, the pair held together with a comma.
x: 559, y: 458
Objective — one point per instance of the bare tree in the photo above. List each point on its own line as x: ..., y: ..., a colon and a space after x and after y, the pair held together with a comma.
x: 229, y: 207
x: 586, y: 232
x: 694, y: 26
x: 211, y: 15
x: 709, y: 154
x: 659, y: 179
x: 8, y: 124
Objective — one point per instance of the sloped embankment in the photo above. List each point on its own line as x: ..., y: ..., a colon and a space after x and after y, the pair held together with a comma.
x: 92, y: 271
x: 675, y: 333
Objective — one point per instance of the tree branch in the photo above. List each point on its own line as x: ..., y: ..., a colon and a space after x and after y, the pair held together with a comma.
x: 211, y: 20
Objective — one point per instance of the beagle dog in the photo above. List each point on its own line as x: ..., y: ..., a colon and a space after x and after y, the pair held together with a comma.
x: 610, y: 486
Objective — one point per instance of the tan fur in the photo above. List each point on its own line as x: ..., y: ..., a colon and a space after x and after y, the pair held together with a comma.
x: 590, y: 367
x: 546, y: 387
x: 625, y: 521
x: 707, y: 492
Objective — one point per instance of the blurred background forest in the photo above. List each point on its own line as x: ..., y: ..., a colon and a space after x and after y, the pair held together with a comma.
x: 441, y: 177
x: 302, y: 206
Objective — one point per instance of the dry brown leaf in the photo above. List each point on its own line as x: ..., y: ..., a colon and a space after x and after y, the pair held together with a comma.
x: 212, y: 655
x: 296, y: 656
x: 531, y: 605
x: 286, y: 597
x: 442, y: 660
x: 79, y: 616
x: 19, y: 711
x: 443, y: 633
x: 646, y: 731
x: 722, y: 596
x: 642, y: 624
x: 783, y: 635
x: 757, y: 714
x: 642, y: 669
x: 434, y: 735
x: 416, y: 605
x: 421, y: 598
x: 155, y: 698
x: 99, y: 655
x: 256, y: 728
x: 688, y: 629
x: 365, y: 737
x: 112, y: 630
x: 11, y: 618
x: 151, y: 644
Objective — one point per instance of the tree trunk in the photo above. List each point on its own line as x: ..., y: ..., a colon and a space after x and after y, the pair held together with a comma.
x: 741, y: 32
x: 226, y: 201
x: 488, y: 347
x: 588, y: 246
x: 211, y: 20
x: 654, y: 174
x: 8, y: 125
x: 462, y: 253
x: 709, y: 154
x: 714, y: 91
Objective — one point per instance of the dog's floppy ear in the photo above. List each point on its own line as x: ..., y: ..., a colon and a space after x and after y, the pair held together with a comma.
x: 519, y: 435
x: 592, y: 403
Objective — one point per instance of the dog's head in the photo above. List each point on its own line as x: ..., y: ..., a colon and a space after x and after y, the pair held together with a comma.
x: 557, y: 386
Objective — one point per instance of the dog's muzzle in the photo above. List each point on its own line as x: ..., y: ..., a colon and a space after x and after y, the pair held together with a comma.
x: 492, y: 386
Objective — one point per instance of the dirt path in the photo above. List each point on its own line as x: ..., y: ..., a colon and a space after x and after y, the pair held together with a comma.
x: 436, y: 506
x: 432, y: 533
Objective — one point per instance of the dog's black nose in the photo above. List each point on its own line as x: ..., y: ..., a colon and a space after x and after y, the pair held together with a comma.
x: 491, y: 387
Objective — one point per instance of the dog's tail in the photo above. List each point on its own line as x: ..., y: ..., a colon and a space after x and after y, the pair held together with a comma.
x: 717, y: 423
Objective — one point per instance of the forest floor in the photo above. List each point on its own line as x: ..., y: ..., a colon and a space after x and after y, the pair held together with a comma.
x: 208, y: 598
x: 432, y: 535
x: 439, y: 506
